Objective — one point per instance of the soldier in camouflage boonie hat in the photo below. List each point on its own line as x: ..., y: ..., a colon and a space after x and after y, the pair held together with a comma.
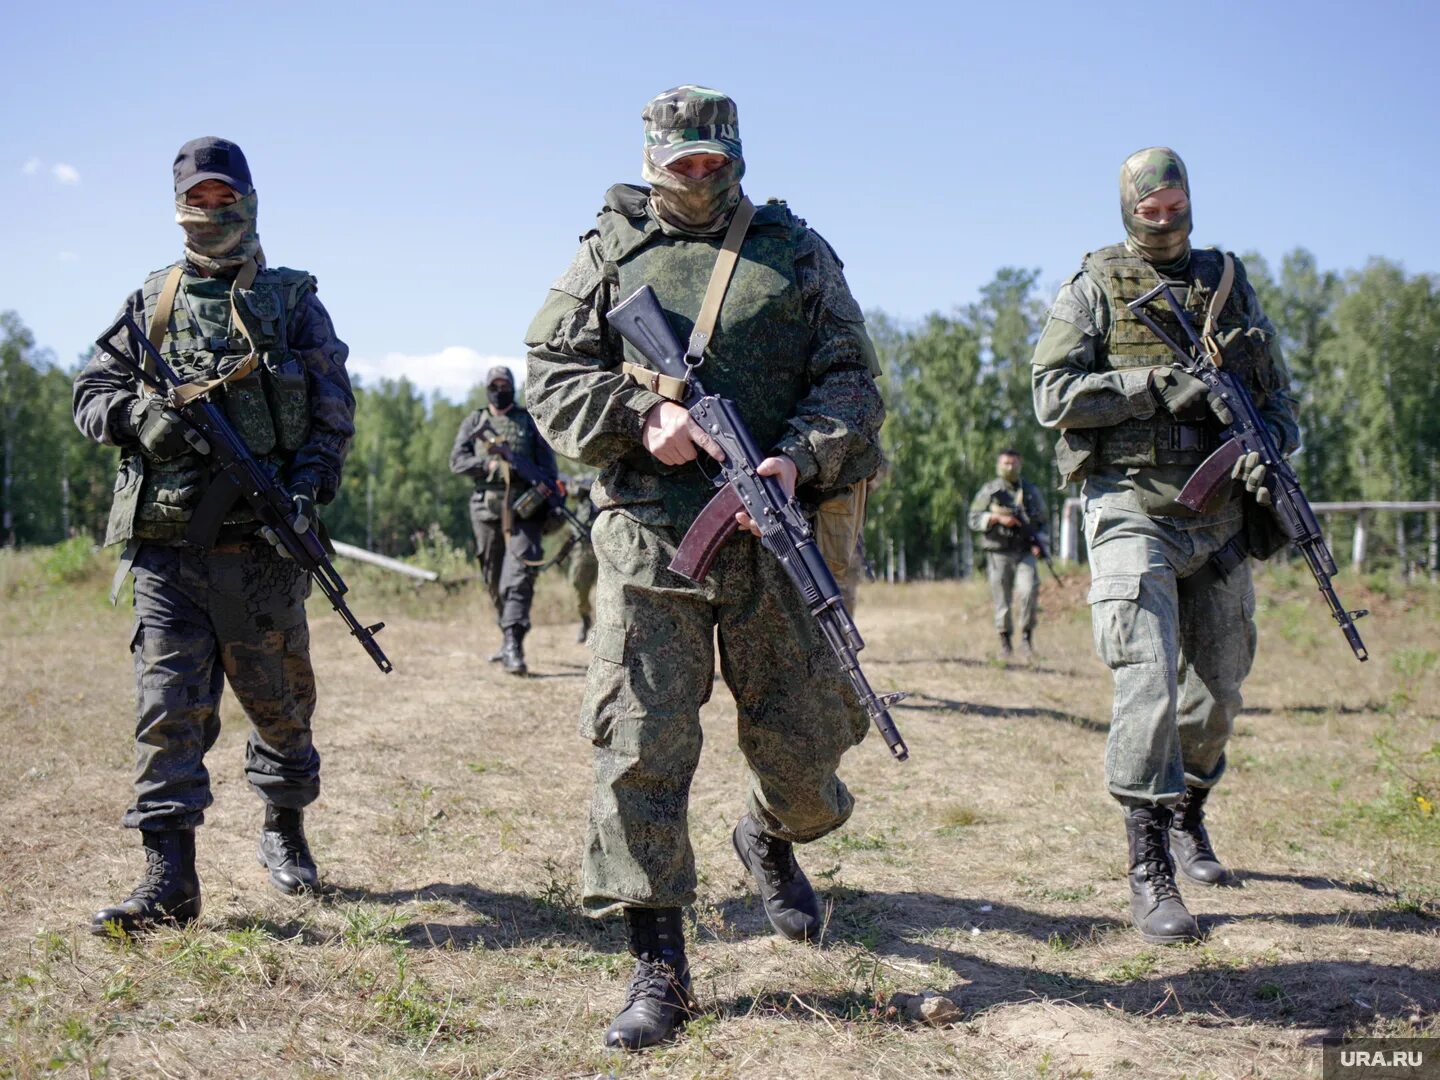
x: 688, y: 120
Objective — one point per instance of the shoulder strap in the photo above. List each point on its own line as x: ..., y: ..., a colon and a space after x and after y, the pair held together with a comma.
x: 1217, y: 304
x: 164, y: 306
x: 719, y: 280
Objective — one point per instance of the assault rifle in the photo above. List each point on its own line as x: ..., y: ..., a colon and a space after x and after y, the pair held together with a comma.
x: 784, y: 531
x: 1028, y: 533
x: 535, y: 476
x: 237, y: 475
x: 1246, y: 435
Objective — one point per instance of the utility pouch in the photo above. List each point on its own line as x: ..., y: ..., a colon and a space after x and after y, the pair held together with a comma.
x: 528, y: 504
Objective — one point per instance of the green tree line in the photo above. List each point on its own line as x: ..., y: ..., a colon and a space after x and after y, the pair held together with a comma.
x: 1363, y: 348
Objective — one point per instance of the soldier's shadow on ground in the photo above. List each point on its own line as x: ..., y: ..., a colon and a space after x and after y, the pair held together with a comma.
x: 922, y: 702
x: 501, y: 920
x: 1016, y: 665
x: 931, y: 929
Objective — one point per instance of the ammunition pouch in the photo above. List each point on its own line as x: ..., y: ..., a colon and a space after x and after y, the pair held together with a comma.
x: 1156, y: 440
x: 529, y: 504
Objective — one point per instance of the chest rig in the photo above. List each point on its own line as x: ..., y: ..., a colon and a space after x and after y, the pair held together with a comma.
x: 228, y: 339
x: 1159, y: 439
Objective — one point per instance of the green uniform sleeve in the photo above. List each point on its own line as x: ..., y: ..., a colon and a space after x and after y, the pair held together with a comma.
x: 833, y: 435
x: 584, y: 405
x: 980, y: 510
x: 104, y: 391
x: 1278, y: 409
x: 1068, y: 390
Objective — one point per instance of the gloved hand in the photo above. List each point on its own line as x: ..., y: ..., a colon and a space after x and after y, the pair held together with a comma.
x: 1249, y: 469
x: 1185, y: 397
x: 162, y: 435
x: 302, y: 498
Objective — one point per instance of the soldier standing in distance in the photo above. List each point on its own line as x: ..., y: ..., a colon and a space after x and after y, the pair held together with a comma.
x: 236, y: 610
x: 508, y: 516
x: 1171, y: 597
x: 791, y: 351
x: 999, y: 513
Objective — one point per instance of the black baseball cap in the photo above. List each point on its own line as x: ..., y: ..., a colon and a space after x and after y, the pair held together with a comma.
x: 211, y: 158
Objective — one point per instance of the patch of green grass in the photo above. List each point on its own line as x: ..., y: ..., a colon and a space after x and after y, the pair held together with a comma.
x: 364, y: 926
x: 1140, y: 966
x: 955, y: 819
x: 857, y: 841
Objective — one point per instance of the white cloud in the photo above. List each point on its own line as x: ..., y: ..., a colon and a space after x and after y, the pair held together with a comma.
x: 65, y: 174
x: 454, y: 371
x: 31, y: 167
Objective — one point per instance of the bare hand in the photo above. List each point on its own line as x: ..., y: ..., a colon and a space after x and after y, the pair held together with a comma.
x: 1035, y: 550
x: 672, y: 435
x: 786, y: 472
x: 1010, y: 521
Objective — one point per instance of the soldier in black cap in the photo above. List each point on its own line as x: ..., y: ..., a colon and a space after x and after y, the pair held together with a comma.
x: 262, y: 342
x: 507, y: 513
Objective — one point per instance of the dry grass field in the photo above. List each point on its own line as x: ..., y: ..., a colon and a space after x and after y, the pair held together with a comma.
x: 989, y: 868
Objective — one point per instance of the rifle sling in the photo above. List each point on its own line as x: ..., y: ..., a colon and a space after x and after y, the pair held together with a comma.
x: 720, y: 277
x: 185, y: 393
x: 1217, y: 304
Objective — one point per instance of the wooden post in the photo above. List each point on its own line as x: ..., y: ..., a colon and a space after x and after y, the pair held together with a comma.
x: 1069, y: 545
x: 967, y: 553
x: 1357, y: 547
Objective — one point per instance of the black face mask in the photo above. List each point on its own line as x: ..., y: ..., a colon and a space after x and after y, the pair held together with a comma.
x: 502, y: 397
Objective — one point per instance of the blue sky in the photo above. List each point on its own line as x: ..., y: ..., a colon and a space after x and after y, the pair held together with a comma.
x: 433, y: 164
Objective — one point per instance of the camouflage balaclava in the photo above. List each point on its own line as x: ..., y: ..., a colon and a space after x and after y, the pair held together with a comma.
x: 1145, y: 172
x: 689, y: 120
x: 221, y: 239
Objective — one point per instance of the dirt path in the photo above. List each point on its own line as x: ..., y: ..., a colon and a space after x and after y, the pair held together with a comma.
x: 989, y: 868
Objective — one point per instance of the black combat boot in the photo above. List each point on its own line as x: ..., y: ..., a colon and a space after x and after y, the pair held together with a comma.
x: 1155, y: 903
x: 284, y: 852
x: 169, y: 891
x: 1005, y: 650
x: 583, y: 634
x: 789, y: 901
x: 1190, y: 841
x: 512, y: 653
x: 657, y: 1001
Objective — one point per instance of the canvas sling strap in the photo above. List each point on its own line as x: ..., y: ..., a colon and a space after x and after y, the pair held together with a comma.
x: 665, y: 385
x: 1217, y: 304
x: 160, y: 322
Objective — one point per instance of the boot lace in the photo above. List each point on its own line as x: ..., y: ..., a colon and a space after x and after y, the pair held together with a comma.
x: 777, y: 858
x: 1158, y: 870
x: 655, y: 980
x: 153, y: 883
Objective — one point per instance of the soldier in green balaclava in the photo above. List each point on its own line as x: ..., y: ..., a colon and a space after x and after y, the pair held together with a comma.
x: 791, y: 351
x: 1170, y: 596
x: 259, y: 337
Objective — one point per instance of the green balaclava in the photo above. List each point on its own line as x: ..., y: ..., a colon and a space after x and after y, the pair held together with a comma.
x: 222, y: 239
x: 1166, y: 247
x: 689, y: 120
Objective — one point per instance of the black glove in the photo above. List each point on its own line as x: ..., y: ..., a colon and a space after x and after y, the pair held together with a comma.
x: 162, y: 435
x: 1185, y: 397
x: 302, y: 498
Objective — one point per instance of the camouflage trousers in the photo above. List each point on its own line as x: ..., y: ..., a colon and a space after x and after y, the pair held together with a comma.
x: 1014, y: 585
x: 654, y: 666
x: 236, y: 612
x: 582, y: 572
x: 504, y: 566
x: 1179, y: 639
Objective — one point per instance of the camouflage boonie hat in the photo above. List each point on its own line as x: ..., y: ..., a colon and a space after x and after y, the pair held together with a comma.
x: 689, y: 120
x: 1150, y: 170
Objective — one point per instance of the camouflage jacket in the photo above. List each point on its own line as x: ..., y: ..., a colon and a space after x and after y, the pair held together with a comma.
x: 593, y: 413
x: 469, y: 456
x: 1023, y: 498
x: 1076, y: 391
x: 104, y: 392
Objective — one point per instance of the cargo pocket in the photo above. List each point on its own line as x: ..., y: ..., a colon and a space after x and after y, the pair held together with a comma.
x: 604, y: 684
x: 1123, y: 634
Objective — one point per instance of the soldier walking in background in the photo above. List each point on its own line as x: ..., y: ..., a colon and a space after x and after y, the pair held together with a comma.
x: 1170, y: 596
x: 1009, y: 514
x: 506, y: 512
x: 263, y: 341
x: 791, y: 351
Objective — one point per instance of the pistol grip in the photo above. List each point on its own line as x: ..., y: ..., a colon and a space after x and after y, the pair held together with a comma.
x: 707, y: 535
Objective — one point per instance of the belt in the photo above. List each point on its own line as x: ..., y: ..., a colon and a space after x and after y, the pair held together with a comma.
x: 1186, y: 437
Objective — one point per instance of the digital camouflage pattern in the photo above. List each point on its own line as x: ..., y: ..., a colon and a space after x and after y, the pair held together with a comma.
x: 296, y: 411
x: 652, y: 670
x: 583, y: 567
x: 1022, y: 497
x: 222, y: 238
x: 1009, y: 565
x: 791, y: 350
x: 1179, y: 640
x: 690, y: 120
x: 200, y: 618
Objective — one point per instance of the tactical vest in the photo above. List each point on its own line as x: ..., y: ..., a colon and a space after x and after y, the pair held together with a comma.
x: 1021, y: 500
x: 758, y: 355
x: 1158, y: 439
x: 269, y: 407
